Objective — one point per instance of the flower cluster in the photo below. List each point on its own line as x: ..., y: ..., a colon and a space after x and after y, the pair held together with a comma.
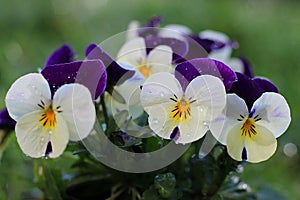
x: 184, y: 85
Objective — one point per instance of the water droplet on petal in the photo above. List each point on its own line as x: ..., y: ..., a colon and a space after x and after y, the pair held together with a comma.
x: 162, y: 94
x: 205, y: 123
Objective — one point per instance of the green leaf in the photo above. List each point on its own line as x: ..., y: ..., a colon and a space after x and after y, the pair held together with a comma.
x: 151, y: 194
x: 165, y: 184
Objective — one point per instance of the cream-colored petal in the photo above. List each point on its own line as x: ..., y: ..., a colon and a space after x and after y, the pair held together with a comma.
x: 160, y: 121
x: 274, y: 112
x: 33, y: 138
x: 159, y: 88
x: 133, y: 52
x: 78, y: 110
x: 59, y: 137
x: 235, y: 142
x: 160, y: 59
x: 26, y: 93
x: 261, y: 146
x: 209, y: 94
x: 194, y: 127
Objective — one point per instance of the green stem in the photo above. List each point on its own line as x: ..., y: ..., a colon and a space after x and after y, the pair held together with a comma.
x: 105, y: 115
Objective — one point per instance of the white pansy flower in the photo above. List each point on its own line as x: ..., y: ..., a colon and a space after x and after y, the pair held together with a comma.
x: 183, y: 116
x: 45, y: 124
x: 252, y: 135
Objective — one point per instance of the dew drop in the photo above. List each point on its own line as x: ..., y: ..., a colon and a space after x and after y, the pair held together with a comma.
x: 162, y: 94
x: 69, y: 77
x: 205, y: 123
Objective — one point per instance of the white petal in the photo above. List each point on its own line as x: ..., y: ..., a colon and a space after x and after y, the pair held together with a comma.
x: 274, y: 112
x: 175, y: 31
x: 209, y: 93
x: 26, y: 93
x: 159, y: 88
x: 59, y: 137
x: 221, y: 125
x: 160, y: 59
x: 78, y: 109
x: 33, y: 138
x: 160, y: 121
x: 132, y: 30
x: 214, y: 35
x: 261, y: 146
x: 193, y: 128
x: 235, y: 142
x: 133, y: 52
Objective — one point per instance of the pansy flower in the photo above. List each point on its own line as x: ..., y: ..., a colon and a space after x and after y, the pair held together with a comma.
x: 63, y: 54
x: 46, y: 121
x: 56, y: 105
x: 134, y: 53
x: 254, y: 117
x: 181, y: 107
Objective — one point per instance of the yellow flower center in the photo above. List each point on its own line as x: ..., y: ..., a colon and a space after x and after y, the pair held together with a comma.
x: 145, y: 70
x: 182, y: 109
x: 48, y: 118
x: 248, y: 128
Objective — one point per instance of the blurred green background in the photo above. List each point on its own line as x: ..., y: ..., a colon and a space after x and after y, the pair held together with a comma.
x: 268, y: 33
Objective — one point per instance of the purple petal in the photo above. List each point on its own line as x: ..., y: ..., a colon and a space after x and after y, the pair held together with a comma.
x: 179, y: 47
x: 250, y: 89
x: 90, y: 73
x: 6, y: 122
x: 247, y: 67
x: 154, y: 21
x: 116, y: 75
x: 266, y: 85
x: 62, y: 55
x: 185, y: 72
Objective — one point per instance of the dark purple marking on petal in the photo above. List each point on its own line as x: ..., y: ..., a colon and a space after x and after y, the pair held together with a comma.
x: 247, y: 67
x: 90, y: 73
x: 244, y: 154
x: 49, y: 149
x: 116, y: 75
x: 64, y: 54
x: 6, y: 122
x: 185, y: 72
x: 175, y: 134
x: 179, y: 47
x: 250, y: 89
